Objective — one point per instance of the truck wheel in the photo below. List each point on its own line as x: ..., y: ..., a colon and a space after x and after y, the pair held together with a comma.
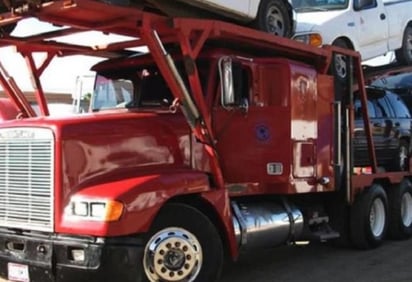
x: 369, y: 218
x: 404, y: 54
x: 184, y: 246
x: 400, y: 210
x: 273, y: 17
x: 340, y: 63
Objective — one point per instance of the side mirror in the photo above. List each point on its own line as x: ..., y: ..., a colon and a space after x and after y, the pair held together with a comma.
x: 226, y: 80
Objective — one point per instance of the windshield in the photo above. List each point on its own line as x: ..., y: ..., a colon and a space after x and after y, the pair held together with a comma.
x: 319, y: 5
x: 111, y: 93
x: 137, y: 88
x: 142, y: 88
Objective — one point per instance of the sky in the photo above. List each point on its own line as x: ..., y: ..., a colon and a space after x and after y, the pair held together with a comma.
x: 60, y: 76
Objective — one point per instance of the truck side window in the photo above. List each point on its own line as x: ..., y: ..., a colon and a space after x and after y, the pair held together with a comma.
x: 235, y: 84
x: 359, y: 5
x: 154, y: 91
x: 111, y: 93
x: 241, y: 84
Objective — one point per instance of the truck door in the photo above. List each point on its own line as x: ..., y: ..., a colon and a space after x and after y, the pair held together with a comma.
x: 252, y: 138
x: 372, y: 27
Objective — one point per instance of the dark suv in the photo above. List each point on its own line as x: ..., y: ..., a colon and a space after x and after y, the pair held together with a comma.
x: 390, y: 122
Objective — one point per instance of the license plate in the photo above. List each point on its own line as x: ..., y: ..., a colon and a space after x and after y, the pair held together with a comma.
x: 18, y: 272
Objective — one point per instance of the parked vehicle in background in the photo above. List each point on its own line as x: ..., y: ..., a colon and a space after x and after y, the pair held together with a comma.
x: 400, y: 83
x: 372, y: 27
x: 273, y: 16
x: 391, y: 129
x: 82, y: 93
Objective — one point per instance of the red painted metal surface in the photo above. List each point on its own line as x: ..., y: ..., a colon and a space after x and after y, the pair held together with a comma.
x: 282, y: 144
x: 8, y: 110
x: 289, y: 124
x: 35, y: 75
x: 15, y: 94
x: 142, y: 196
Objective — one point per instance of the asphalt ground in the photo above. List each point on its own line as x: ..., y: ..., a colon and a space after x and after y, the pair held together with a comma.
x: 391, y: 262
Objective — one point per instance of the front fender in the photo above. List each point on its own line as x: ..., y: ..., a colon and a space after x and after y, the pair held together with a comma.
x: 142, y: 197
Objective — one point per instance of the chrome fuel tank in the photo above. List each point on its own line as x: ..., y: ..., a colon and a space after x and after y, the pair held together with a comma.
x: 266, y: 224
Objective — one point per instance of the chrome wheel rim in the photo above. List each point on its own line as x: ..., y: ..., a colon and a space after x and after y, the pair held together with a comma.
x: 173, y: 254
x: 377, y: 217
x: 275, y: 22
x: 406, y: 209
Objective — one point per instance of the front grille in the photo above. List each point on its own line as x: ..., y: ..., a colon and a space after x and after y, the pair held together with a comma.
x: 26, y: 178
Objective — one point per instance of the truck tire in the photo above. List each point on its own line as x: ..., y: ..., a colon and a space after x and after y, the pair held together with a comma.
x: 369, y: 219
x: 404, y: 54
x: 273, y: 17
x: 183, y: 245
x: 400, y: 210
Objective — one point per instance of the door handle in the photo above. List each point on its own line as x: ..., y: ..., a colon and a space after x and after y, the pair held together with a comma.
x: 382, y: 16
x: 377, y: 125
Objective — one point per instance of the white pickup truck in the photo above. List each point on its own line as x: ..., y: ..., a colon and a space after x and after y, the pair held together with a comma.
x: 273, y: 16
x: 372, y: 27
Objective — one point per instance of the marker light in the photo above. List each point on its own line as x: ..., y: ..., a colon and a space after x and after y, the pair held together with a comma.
x: 314, y: 39
x: 77, y: 255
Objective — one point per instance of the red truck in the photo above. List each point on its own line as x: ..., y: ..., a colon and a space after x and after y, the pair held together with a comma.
x: 218, y: 142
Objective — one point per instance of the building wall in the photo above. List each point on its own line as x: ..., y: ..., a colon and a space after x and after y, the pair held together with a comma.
x: 51, y: 97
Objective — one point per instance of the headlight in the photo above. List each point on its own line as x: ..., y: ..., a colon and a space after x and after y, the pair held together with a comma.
x: 92, y: 209
x: 80, y: 209
x: 314, y: 39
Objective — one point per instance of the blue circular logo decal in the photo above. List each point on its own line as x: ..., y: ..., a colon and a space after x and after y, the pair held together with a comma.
x: 262, y: 132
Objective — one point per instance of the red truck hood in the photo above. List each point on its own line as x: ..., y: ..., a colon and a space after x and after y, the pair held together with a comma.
x: 94, y: 148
